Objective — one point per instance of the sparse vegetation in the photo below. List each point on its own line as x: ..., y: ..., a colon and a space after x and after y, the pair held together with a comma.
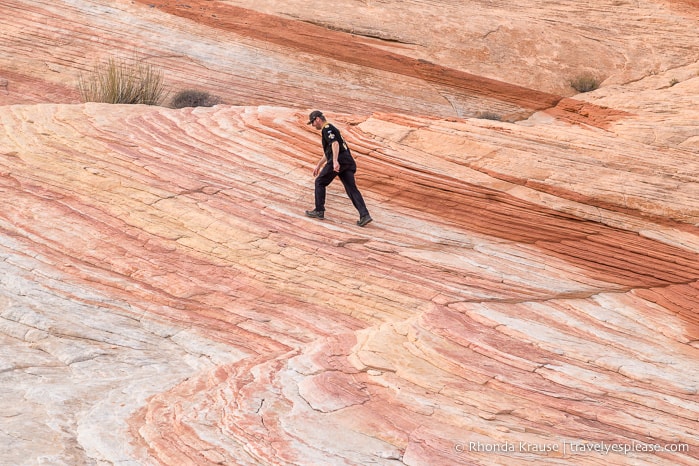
x: 194, y: 98
x: 674, y: 81
x: 489, y: 116
x: 585, y: 83
x: 120, y: 81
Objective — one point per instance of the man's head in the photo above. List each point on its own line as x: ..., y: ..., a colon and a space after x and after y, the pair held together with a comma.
x: 316, y: 118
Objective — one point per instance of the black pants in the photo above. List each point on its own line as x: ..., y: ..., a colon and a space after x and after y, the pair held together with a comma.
x: 346, y: 174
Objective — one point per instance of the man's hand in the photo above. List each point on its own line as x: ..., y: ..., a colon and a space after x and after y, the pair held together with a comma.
x: 336, y: 167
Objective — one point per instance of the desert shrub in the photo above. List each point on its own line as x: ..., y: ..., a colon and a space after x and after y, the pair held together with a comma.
x: 585, y: 83
x: 489, y: 116
x: 194, y: 98
x: 120, y: 81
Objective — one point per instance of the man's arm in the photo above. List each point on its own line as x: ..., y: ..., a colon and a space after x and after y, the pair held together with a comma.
x: 319, y: 166
x: 336, y: 153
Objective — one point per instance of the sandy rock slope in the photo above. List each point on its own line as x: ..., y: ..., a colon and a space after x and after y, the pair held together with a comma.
x: 527, y: 292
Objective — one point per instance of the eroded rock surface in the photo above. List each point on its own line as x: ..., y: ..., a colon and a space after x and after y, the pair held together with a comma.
x: 527, y: 293
x: 166, y: 299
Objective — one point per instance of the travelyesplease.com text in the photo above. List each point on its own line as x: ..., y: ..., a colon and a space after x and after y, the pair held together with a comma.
x: 572, y: 448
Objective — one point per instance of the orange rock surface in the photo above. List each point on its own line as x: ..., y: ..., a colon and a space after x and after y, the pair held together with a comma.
x: 528, y: 292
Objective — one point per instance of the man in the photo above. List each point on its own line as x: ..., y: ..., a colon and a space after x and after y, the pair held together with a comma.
x: 336, y: 161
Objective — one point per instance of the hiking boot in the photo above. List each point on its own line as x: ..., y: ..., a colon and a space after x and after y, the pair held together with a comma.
x: 320, y: 214
x: 363, y: 220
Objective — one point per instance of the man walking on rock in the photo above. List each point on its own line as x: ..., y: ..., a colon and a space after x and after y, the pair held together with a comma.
x: 338, y: 161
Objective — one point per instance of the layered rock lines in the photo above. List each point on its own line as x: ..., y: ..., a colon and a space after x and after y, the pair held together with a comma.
x: 471, y: 309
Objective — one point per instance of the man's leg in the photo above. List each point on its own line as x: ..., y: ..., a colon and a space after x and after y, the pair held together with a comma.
x: 323, y: 179
x: 347, y: 178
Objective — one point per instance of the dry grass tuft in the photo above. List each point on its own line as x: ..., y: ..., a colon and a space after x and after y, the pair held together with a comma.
x: 121, y: 81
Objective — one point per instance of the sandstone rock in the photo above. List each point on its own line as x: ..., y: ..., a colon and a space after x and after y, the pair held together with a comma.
x: 480, y: 305
x: 527, y: 293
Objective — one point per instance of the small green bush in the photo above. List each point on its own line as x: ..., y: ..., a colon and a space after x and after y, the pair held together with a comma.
x: 585, y: 83
x: 194, y: 98
x: 122, y: 81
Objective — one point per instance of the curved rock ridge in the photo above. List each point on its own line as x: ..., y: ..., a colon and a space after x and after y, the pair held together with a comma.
x: 164, y: 299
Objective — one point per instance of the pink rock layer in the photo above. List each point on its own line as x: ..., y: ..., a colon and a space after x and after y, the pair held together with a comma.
x: 165, y: 266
